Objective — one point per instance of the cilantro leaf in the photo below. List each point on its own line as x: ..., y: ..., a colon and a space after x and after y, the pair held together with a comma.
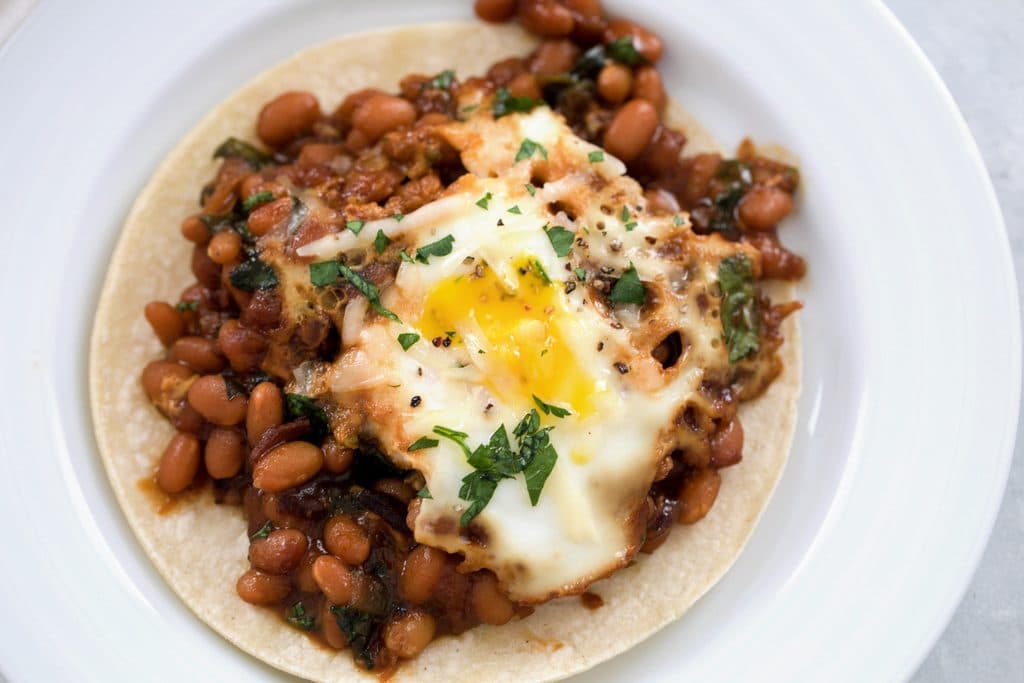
x: 186, y: 306
x: 595, y: 156
x: 404, y: 255
x: 442, y: 81
x: 357, y: 627
x: 581, y: 273
x: 441, y: 247
x: 504, y: 103
x: 233, y: 147
x: 531, y: 189
x: 549, y: 409
x: 541, y: 273
x: 740, y: 318
x: 367, y: 289
x: 628, y: 289
x: 527, y: 149
x: 482, y: 202
x: 424, y: 493
x: 515, y: 209
x: 264, y: 530
x: 252, y: 201
x: 561, y: 240
x: 407, y: 339
x: 297, y: 405
x: 625, y: 213
x: 624, y: 50
x: 297, y: 615
x: 422, y: 443
x: 252, y: 275
x: 537, y: 471
x: 456, y: 436
x: 381, y: 242
x: 355, y: 226
x: 324, y: 273
x: 478, y: 488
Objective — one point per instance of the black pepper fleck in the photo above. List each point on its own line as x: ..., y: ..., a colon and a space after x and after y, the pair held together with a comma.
x: 500, y: 223
x: 600, y: 346
x: 570, y: 286
x: 416, y: 400
x: 651, y: 240
x: 622, y: 368
x: 446, y: 342
x: 436, y: 341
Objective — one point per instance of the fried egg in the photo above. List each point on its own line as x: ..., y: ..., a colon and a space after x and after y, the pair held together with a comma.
x: 501, y: 306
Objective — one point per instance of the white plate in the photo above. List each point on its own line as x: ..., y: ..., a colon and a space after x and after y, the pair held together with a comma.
x: 911, y: 330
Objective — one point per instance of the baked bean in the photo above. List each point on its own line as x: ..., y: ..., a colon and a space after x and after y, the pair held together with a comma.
x: 762, y: 208
x: 280, y: 552
x: 335, y: 580
x: 346, y: 539
x: 524, y: 85
x: 645, y: 42
x: 266, y: 410
x: 329, y: 628
x: 504, y: 71
x: 554, y: 57
x: 165, y: 320
x: 199, y: 353
x: 489, y: 603
x: 194, y: 230
x: 352, y: 101
x: 319, y: 153
x: 381, y: 114
x: 224, y: 453
x: 286, y: 117
x: 661, y: 158
x: 209, y: 396
x: 260, y: 588
x: 776, y: 260
x: 287, y: 466
x: 420, y: 573
x: 702, y: 169
x: 614, y: 83
x: 546, y: 18
x: 205, y: 270
x: 407, y: 634
x: 647, y: 86
x: 274, y: 511
x: 495, y: 10
x: 224, y: 247
x: 396, y: 488
x: 254, y: 184
x: 178, y: 464
x: 631, y: 130
x: 589, y: 20
x: 303, y: 575
x: 243, y: 347
x: 697, y: 495
x: 165, y: 381
x: 337, y: 458
x: 266, y: 217
x: 727, y: 444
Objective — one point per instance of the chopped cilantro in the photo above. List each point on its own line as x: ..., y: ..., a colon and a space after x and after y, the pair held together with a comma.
x: 407, y: 339
x: 398, y: 217
x: 357, y: 627
x: 596, y: 156
x: 355, y: 226
x: 541, y: 273
x: 549, y: 409
x: 581, y: 273
x: 404, y: 255
x: 186, y: 306
x: 531, y: 189
x: 297, y: 615
x: 561, y: 240
x: 624, y: 50
x: 442, y: 81
x: 441, y: 247
x: 252, y: 201
x: 381, y: 242
x: 515, y: 210
x: 297, y: 405
x: 424, y: 493
x: 740, y: 319
x: 677, y: 219
x: 504, y: 103
x: 252, y: 275
x: 421, y: 443
x: 233, y: 147
x: 323, y: 273
x: 527, y: 149
x: 482, y: 202
x: 367, y: 289
x: 470, y: 108
x: 630, y: 226
x: 629, y: 289
x: 264, y: 530
x: 625, y: 213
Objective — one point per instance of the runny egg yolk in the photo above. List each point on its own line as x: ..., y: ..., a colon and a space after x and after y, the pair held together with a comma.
x: 517, y: 337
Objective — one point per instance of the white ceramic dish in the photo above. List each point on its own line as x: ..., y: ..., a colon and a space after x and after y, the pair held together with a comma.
x: 912, y: 342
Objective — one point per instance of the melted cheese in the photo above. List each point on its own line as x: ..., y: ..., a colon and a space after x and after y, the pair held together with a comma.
x: 516, y: 330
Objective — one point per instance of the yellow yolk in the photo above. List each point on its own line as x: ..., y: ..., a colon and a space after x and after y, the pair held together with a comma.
x: 517, y: 337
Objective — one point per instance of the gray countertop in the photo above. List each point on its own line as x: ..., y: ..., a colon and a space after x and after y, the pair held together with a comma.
x: 976, y: 46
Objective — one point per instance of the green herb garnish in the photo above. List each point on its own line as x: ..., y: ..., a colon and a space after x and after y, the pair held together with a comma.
x: 740, y: 318
x: 186, y: 306
x: 596, y: 156
x: 527, y: 149
x: 381, y: 242
x: 442, y: 81
x: 482, y: 202
x: 252, y: 201
x: 357, y: 627
x: 515, y: 209
x: 297, y: 615
x: 264, y: 530
x: 678, y: 220
x: 424, y: 493
x: 549, y: 409
x: 628, y: 289
x: 624, y: 50
x: 504, y: 103
x: 233, y: 147
x: 404, y: 255
x: 327, y: 273
x: 421, y: 443
x: 541, y: 273
x: 441, y: 247
x: 561, y: 240
x: 398, y: 217
x: 297, y: 405
x: 407, y: 339
x: 355, y: 226
x: 252, y: 275
x: 531, y: 189
x: 581, y: 274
